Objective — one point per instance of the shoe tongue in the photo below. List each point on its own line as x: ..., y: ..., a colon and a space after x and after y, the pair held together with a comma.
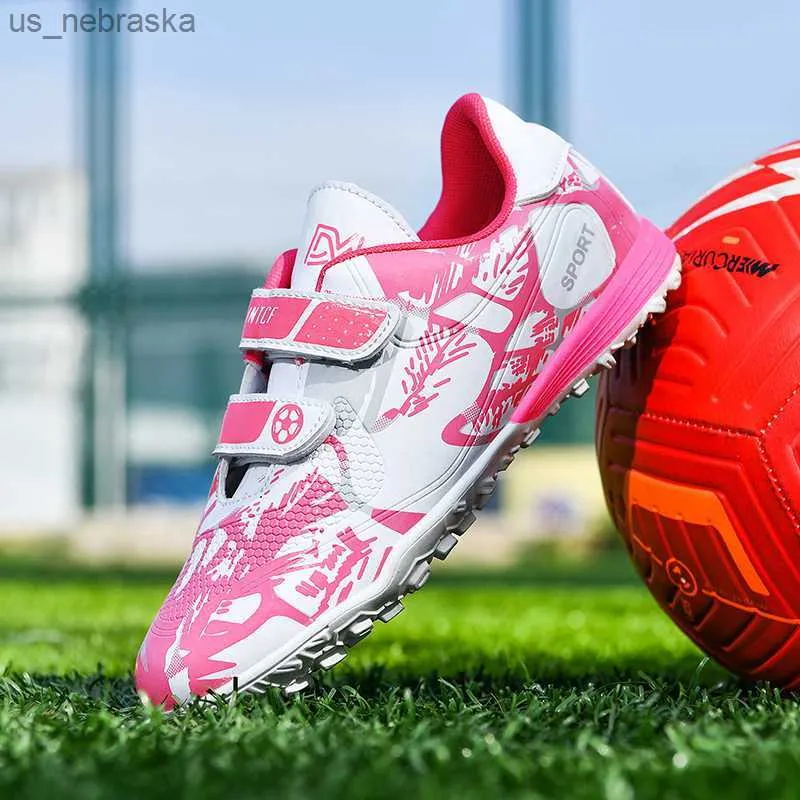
x: 341, y: 218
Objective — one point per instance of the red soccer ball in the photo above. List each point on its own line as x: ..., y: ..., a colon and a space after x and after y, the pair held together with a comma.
x: 698, y: 434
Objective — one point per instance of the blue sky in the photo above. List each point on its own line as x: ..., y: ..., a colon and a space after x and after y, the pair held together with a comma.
x: 229, y: 127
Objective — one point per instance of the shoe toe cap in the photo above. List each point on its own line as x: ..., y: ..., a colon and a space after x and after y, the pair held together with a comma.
x: 231, y: 640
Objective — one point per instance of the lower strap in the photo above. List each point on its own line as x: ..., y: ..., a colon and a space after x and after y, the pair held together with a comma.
x: 274, y: 428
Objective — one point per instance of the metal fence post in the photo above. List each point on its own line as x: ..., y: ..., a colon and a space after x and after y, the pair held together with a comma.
x: 541, y: 81
x: 541, y: 61
x: 105, y: 435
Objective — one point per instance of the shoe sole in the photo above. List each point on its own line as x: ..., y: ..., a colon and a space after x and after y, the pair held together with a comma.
x: 328, y: 646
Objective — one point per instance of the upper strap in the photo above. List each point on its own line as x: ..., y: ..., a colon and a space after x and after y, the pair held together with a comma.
x: 318, y: 326
x: 278, y: 429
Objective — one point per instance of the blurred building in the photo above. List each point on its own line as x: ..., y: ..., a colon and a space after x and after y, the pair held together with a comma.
x: 182, y: 329
x: 42, y: 338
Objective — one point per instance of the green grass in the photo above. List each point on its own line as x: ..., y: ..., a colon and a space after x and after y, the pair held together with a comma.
x: 478, y: 690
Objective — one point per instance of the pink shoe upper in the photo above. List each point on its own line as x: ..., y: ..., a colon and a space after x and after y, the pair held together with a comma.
x: 380, y: 365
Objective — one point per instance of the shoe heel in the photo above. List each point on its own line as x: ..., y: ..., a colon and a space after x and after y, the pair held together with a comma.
x: 636, y: 289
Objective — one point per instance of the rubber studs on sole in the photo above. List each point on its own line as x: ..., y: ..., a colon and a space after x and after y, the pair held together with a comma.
x: 297, y: 686
x: 419, y: 575
x: 391, y: 611
x: 445, y: 545
x: 332, y: 658
x: 358, y: 630
x: 531, y: 437
x: 580, y: 388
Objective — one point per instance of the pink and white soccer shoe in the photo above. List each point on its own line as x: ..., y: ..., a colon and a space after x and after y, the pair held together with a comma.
x: 390, y: 376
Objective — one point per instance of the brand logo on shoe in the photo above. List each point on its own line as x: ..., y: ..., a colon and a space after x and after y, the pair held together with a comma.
x: 287, y: 423
x: 327, y: 243
x: 260, y: 315
x: 575, y: 255
x: 579, y: 254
